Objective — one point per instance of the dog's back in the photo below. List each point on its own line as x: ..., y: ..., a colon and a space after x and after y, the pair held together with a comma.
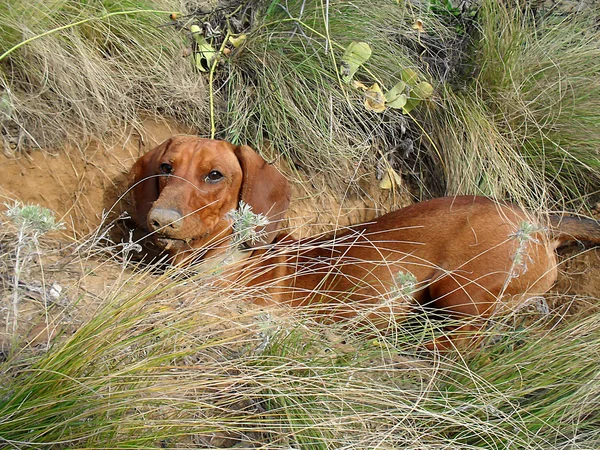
x: 458, y: 254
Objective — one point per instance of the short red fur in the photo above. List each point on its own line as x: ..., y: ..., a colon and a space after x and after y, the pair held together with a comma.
x: 463, y: 254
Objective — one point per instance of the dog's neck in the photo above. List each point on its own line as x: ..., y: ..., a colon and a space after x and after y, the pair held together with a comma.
x: 215, y: 262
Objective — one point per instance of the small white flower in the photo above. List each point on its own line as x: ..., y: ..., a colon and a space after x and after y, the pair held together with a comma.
x: 245, y: 223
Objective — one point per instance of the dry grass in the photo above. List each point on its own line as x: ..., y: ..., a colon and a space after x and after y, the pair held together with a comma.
x: 526, y: 124
x: 496, y: 124
x: 126, y: 356
x: 175, y: 360
x: 89, y: 80
x: 283, y: 85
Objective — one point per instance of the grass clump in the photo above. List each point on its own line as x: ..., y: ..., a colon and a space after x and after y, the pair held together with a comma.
x: 512, y: 114
x: 89, y: 68
x: 176, y: 360
x: 546, y: 380
x: 177, y: 378
x: 526, y: 125
x: 511, y: 106
x: 284, y: 85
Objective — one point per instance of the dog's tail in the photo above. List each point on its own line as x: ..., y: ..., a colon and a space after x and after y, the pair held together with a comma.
x: 567, y: 230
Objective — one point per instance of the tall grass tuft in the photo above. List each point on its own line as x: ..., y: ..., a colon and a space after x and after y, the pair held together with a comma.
x: 527, y: 123
x: 283, y: 85
x: 99, y: 67
x: 164, y: 364
x: 514, y: 111
x: 177, y: 360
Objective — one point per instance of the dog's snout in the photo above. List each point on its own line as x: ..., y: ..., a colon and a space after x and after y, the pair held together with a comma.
x: 165, y: 220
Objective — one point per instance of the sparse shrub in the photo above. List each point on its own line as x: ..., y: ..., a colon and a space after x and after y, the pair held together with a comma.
x: 245, y: 223
x: 31, y: 222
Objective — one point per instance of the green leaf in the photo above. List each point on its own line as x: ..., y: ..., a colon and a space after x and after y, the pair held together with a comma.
x: 398, y: 103
x: 418, y: 93
x: 204, y: 54
x: 422, y: 90
x: 396, y: 96
x: 411, y: 103
x: 356, y: 54
x: 409, y: 76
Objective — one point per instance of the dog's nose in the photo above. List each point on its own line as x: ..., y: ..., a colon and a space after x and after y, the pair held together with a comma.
x: 164, y: 220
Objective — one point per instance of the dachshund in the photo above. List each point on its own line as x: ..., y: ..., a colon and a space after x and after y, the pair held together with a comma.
x: 455, y: 256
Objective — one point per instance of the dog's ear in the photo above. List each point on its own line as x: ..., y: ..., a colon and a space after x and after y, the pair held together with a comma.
x: 143, y: 183
x: 265, y: 189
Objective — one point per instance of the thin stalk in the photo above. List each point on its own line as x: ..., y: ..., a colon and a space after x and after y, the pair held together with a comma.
x: 16, y: 278
x: 211, y: 77
x: 79, y: 22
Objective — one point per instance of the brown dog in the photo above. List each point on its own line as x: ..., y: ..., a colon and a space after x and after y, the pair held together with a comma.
x: 457, y: 255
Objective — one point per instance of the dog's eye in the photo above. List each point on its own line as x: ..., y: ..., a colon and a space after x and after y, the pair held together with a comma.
x: 166, y: 168
x: 213, y: 176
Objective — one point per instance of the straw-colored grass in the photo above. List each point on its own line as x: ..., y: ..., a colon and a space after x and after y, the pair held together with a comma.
x: 126, y: 356
x: 100, y: 66
x: 527, y: 124
x: 283, y: 85
x: 176, y: 360
x: 514, y: 112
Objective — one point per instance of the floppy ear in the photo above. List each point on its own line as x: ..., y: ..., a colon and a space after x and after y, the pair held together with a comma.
x: 264, y: 189
x: 143, y: 184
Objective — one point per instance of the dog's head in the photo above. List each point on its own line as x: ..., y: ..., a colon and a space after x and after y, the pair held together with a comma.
x: 184, y: 188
